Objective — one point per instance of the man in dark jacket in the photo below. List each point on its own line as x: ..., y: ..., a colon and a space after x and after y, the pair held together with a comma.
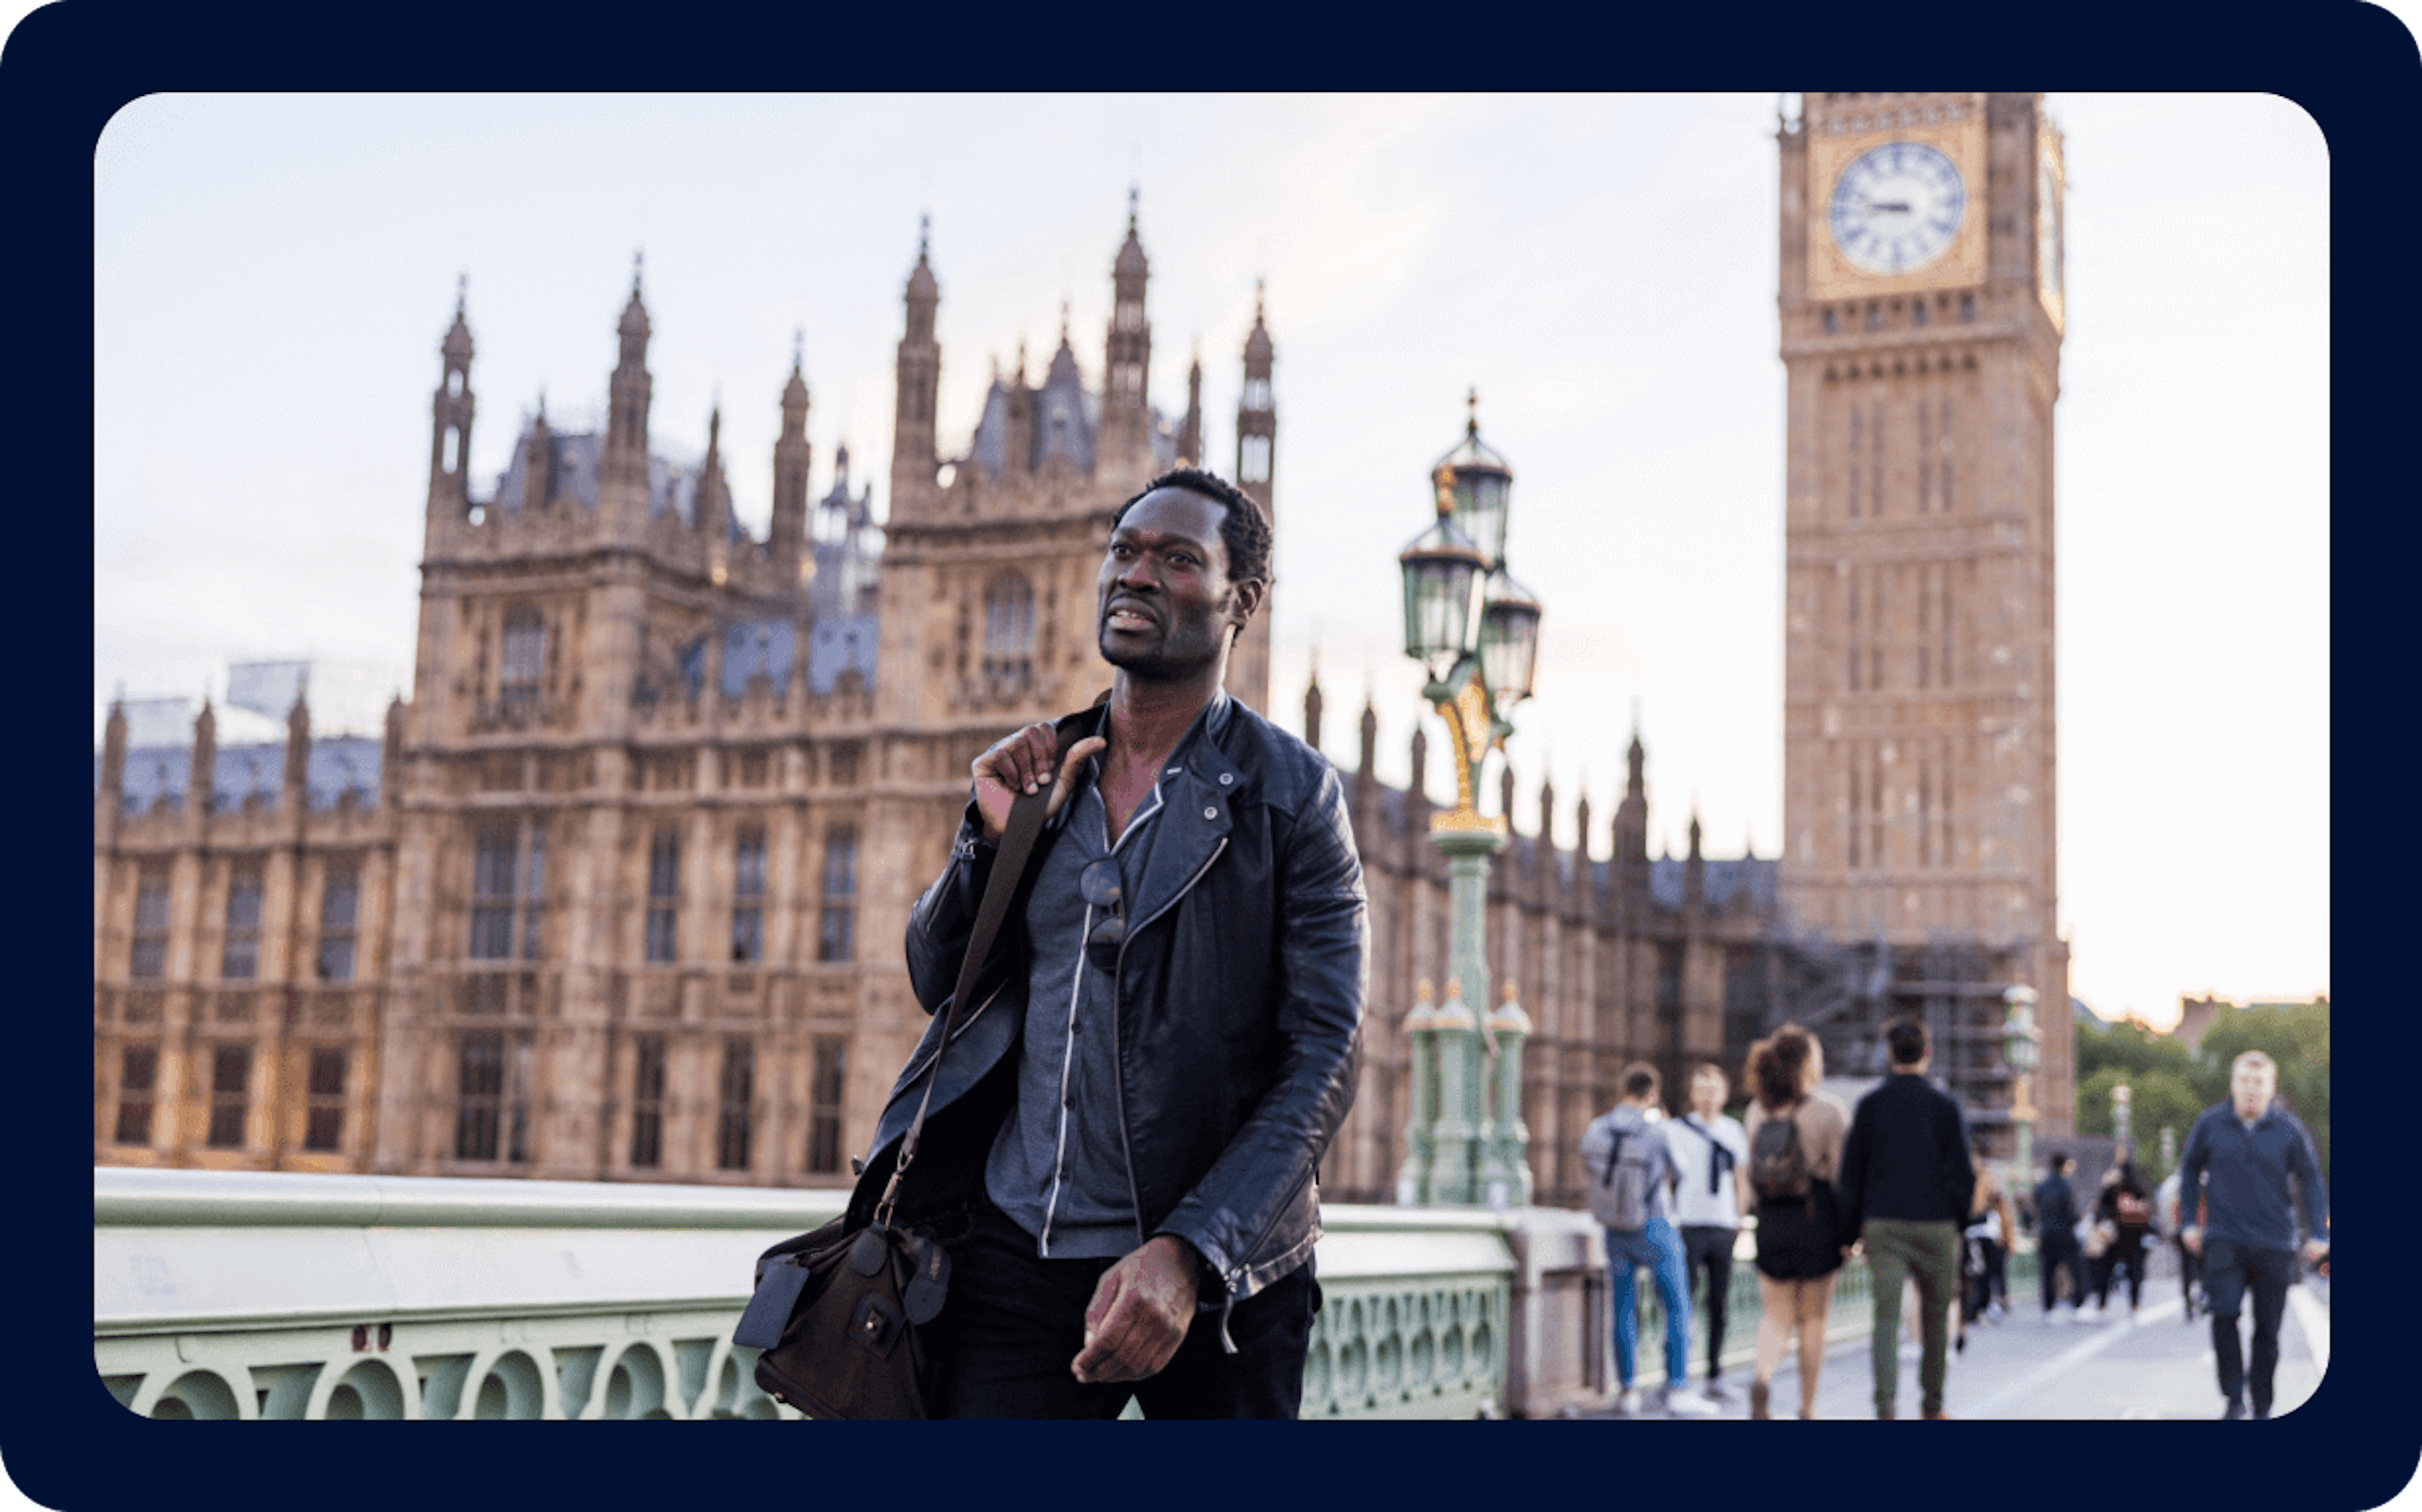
x: 2056, y: 1241
x: 2240, y: 1157
x: 1123, y: 1143
x: 1906, y: 1181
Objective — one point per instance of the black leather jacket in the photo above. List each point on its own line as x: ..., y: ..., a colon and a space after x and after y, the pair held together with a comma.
x: 1239, y: 1007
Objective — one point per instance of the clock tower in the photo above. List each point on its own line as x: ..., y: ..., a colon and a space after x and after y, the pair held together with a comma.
x: 1920, y: 317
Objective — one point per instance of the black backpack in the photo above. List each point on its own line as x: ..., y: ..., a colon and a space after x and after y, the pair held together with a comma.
x: 1778, y: 1167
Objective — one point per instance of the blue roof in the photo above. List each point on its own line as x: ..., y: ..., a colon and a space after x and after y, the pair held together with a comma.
x: 335, y: 764
x: 1726, y: 880
x: 672, y: 487
x: 842, y: 641
x: 755, y: 647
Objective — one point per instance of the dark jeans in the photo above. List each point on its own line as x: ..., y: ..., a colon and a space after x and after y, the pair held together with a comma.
x: 1709, y: 1248
x: 2125, y: 1251
x: 1988, y: 1278
x: 2229, y: 1272
x: 1015, y: 1323
x: 2060, y: 1253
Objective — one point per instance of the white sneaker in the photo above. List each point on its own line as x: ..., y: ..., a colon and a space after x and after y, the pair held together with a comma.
x: 1681, y: 1401
x: 1628, y: 1403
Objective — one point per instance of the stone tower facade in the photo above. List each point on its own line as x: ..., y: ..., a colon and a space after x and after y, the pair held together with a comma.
x: 1922, y: 316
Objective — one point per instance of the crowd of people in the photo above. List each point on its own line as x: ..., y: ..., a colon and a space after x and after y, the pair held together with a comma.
x: 1895, y: 1181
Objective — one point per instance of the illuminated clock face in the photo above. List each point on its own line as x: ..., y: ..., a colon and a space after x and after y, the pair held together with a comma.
x: 1896, y: 207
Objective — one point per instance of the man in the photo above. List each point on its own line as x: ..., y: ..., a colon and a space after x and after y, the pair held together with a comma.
x: 1124, y: 1142
x: 1906, y: 1180
x: 1633, y: 1172
x: 1710, y: 1149
x: 2056, y: 1248
x: 2240, y: 1156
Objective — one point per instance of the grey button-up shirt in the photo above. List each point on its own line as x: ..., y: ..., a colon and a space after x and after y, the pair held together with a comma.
x: 1058, y: 1166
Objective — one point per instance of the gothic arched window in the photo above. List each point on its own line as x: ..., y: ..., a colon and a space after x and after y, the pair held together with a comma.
x: 525, y: 664
x: 1009, y: 629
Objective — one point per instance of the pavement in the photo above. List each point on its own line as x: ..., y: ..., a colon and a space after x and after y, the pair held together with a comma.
x: 2159, y: 1366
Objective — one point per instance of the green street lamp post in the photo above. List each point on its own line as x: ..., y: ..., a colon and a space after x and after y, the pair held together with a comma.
x: 2019, y: 1038
x: 1476, y: 632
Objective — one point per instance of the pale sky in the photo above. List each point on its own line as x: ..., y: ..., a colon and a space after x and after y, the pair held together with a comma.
x: 274, y: 275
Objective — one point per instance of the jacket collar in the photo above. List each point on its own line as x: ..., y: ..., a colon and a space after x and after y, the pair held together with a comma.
x: 1199, y: 785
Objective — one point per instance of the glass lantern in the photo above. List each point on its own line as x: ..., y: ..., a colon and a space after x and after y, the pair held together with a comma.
x: 1443, y: 571
x: 1509, y: 637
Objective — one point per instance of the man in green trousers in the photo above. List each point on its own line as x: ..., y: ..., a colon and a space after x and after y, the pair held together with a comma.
x: 1905, y: 1187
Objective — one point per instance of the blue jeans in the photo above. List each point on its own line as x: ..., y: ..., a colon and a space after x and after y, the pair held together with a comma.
x: 1659, y: 1249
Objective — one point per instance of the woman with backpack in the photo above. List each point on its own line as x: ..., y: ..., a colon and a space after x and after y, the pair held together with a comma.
x: 2125, y: 1208
x: 1795, y: 1153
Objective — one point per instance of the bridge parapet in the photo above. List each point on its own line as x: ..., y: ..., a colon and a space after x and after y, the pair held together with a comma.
x: 285, y: 1295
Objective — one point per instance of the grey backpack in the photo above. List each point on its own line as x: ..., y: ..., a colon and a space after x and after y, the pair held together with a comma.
x: 1623, y: 1161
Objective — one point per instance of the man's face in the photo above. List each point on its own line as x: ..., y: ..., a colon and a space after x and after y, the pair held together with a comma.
x: 2250, y: 1087
x: 1707, y: 1094
x: 1166, y: 601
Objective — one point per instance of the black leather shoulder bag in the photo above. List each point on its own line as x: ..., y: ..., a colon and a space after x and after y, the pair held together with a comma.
x: 837, y: 1312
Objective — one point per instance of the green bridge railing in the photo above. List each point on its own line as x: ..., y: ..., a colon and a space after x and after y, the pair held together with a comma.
x: 255, y: 1295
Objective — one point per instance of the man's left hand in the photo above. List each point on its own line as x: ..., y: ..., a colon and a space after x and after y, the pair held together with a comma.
x: 2317, y: 1250
x: 1140, y: 1314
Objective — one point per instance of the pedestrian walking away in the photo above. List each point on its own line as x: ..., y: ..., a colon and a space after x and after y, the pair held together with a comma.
x: 1990, y: 1229
x: 1711, y: 1148
x: 2252, y: 1161
x: 1906, y: 1181
x: 2125, y: 1204
x: 1632, y: 1173
x: 1795, y: 1157
x: 1122, y: 1145
x: 2056, y: 1247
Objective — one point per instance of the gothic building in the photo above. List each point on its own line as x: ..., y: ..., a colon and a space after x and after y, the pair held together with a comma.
x: 618, y: 894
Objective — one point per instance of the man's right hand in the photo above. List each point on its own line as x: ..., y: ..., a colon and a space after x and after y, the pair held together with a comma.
x: 2192, y: 1237
x: 1022, y: 764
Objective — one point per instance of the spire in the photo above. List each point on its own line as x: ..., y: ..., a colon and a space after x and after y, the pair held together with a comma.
x: 1257, y: 344
x: 1694, y: 832
x: 298, y: 744
x: 634, y: 328
x: 918, y: 383
x: 923, y: 289
x: 1125, y: 434
x: 201, y: 784
x: 1131, y: 260
x: 112, y: 751
x: 1312, y: 704
x: 628, y: 391
x: 449, y: 437
x: 457, y: 347
x: 1189, y: 435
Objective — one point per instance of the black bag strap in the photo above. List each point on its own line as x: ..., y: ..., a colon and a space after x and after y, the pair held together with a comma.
x: 1016, y: 845
x: 1718, y: 1162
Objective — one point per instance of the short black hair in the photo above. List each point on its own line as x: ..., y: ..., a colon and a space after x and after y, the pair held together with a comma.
x: 1242, y: 529
x: 1640, y: 1080
x: 2061, y: 1160
x: 1907, y: 1037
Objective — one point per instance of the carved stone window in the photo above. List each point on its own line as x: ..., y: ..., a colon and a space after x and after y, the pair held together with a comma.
x: 524, y: 670
x: 664, y: 897
x: 1009, y: 630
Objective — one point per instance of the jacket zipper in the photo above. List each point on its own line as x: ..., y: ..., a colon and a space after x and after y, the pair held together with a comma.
x: 1118, y: 1057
